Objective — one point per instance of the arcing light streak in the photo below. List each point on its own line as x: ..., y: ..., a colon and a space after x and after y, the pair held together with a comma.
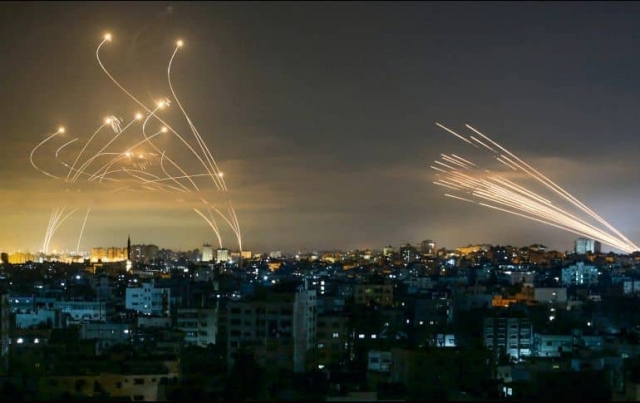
x: 107, y: 122
x: 55, y: 221
x: 499, y: 193
x: 64, y: 145
x: 144, y: 125
x: 116, y: 128
x: 120, y: 156
x: 212, y: 224
x: 59, y: 131
x: 232, y: 220
x: 214, y: 172
x: 84, y: 222
x: 156, y: 117
x: 212, y: 169
x: 553, y: 186
x: 135, y: 169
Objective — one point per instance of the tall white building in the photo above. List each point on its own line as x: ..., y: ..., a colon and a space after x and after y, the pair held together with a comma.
x: 207, y: 253
x: 222, y: 255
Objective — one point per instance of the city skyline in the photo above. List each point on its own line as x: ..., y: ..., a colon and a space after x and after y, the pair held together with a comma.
x: 322, y: 117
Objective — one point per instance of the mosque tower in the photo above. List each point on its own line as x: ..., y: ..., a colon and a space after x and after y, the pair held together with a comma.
x: 128, y: 263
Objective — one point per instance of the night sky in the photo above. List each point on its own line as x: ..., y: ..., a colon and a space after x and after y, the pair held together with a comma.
x: 321, y: 116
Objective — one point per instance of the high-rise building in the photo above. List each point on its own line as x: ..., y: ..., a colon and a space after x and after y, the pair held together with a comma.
x: 586, y: 245
x: 281, y: 328
x: 199, y: 325
x: 222, y: 255
x: 148, y: 299
x: 333, y: 339
x: 207, y: 252
x: 580, y: 274
x: 408, y: 253
x: 110, y: 254
x: 511, y: 335
x: 21, y: 257
x: 143, y: 253
x: 388, y: 251
x: 428, y: 247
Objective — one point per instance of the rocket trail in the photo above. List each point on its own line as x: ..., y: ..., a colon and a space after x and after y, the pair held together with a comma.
x: 59, y: 131
x: 99, y: 162
x: 456, y: 134
x: 211, y: 223
x: 84, y: 222
x: 548, y: 182
x: 119, y: 132
x: 214, y: 172
x: 501, y: 194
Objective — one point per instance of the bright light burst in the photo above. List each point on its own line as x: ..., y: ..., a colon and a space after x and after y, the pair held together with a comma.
x: 469, y: 182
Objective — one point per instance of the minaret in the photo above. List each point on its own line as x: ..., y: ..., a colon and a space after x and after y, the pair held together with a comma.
x: 128, y: 263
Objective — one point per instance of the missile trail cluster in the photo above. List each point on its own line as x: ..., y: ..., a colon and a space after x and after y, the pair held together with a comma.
x: 469, y: 182
x: 136, y: 154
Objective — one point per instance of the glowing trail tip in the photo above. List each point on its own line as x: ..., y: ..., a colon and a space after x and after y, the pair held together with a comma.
x: 163, y: 130
x: 61, y: 129
x: 107, y: 120
x: 179, y: 43
x: 107, y: 37
x: 138, y: 116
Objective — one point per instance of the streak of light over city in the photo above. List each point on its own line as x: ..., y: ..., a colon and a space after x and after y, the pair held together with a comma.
x: 305, y: 126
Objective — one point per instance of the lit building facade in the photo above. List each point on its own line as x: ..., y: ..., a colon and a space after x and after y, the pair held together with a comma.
x: 148, y: 299
x: 111, y: 254
x: 143, y: 253
x: 586, y: 245
x: 428, y: 248
x: 580, y: 274
x: 86, y: 311
x: 21, y: 257
x: 510, y: 335
x: 222, y: 255
x: 207, y: 253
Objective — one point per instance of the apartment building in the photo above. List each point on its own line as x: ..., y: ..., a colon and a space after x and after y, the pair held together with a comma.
x: 280, y: 328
